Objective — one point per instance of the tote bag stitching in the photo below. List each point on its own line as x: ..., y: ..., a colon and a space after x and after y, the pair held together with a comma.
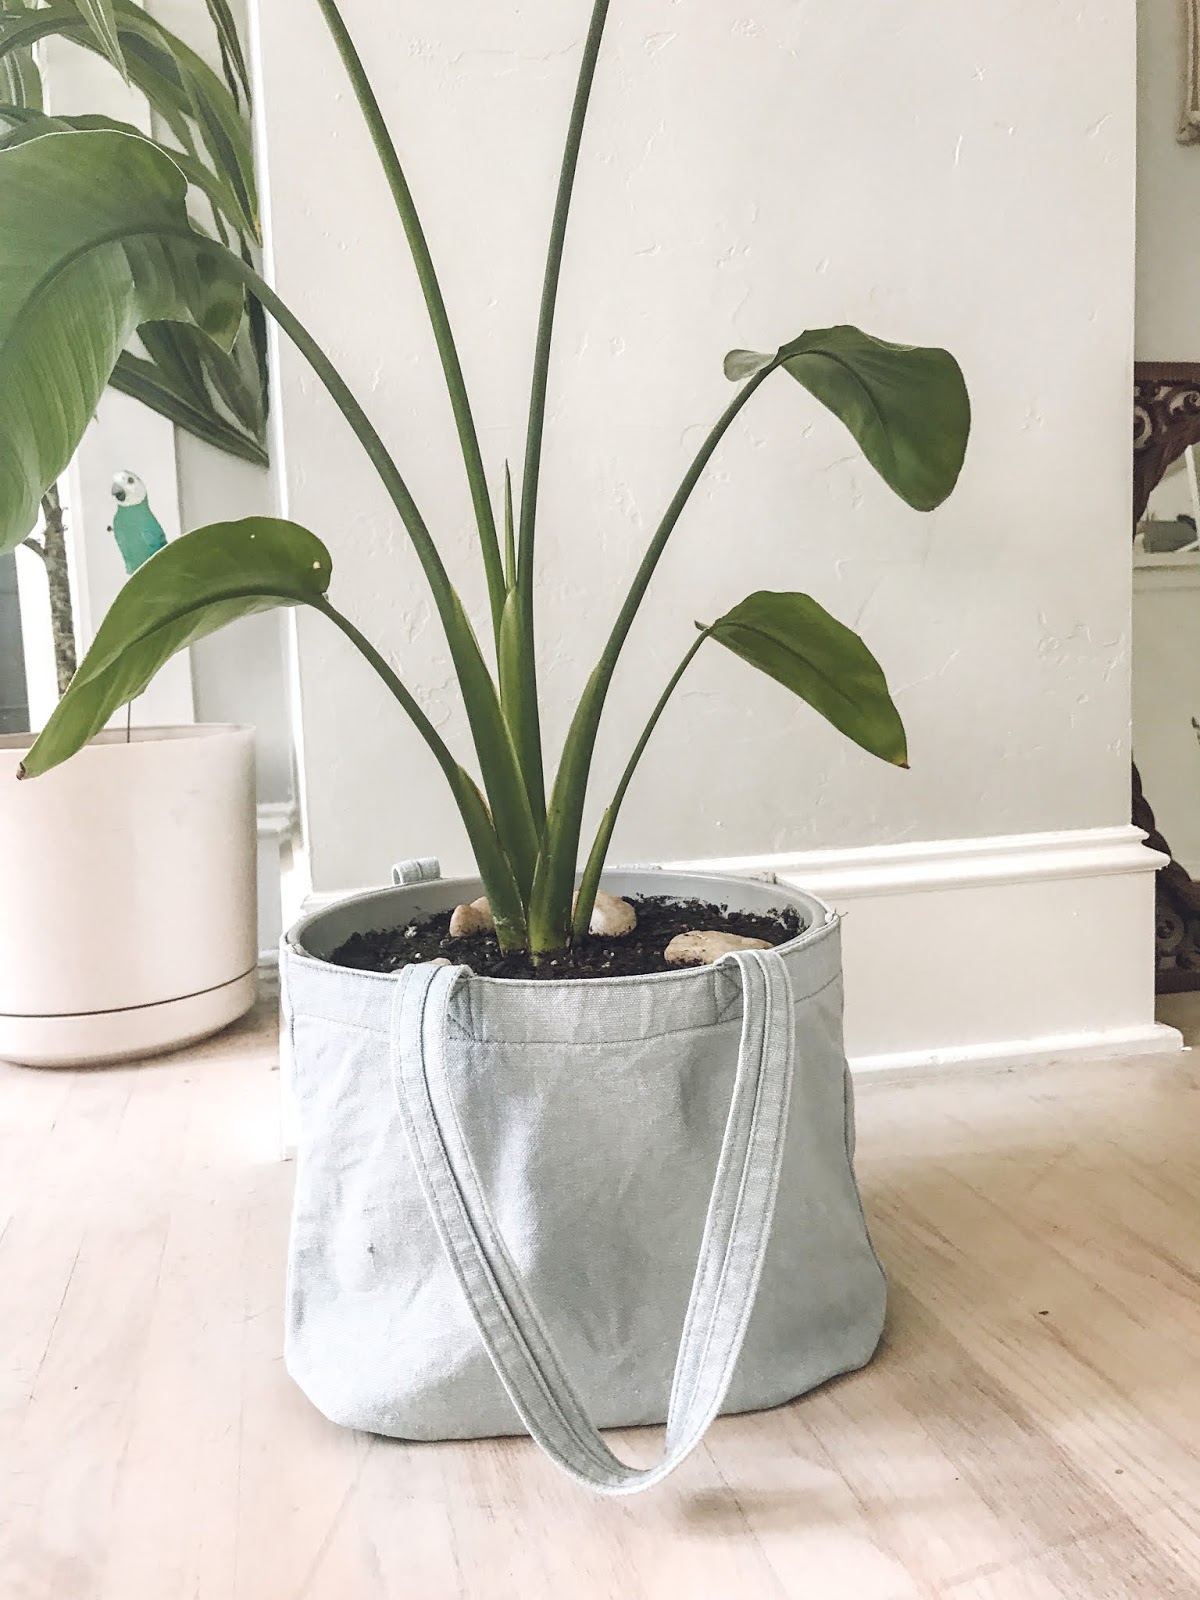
x: 703, y: 1028
x: 455, y: 1031
x: 721, y: 1021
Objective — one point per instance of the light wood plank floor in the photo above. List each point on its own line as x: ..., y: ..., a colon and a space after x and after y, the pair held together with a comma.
x: 1029, y: 1430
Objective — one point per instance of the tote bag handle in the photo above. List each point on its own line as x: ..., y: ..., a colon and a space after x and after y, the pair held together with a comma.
x: 732, y: 1249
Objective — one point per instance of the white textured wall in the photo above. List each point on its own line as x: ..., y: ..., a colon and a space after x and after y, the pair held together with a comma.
x: 934, y: 171
x: 1168, y: 193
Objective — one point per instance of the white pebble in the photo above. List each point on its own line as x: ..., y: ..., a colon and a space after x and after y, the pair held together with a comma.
x: 612, y: 918
x: 703, y: 948
x: 474, y: 918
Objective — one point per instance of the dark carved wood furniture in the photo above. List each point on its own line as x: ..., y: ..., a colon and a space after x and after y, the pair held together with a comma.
x: 1166, y: 419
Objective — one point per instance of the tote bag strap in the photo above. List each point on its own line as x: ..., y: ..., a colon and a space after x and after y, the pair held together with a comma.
x: 732, y: 1249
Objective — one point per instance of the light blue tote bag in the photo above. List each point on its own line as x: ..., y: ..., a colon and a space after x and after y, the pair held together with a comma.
x: 558, y: 1207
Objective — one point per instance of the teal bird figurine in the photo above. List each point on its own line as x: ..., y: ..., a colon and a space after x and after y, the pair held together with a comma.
x: 136, y: 529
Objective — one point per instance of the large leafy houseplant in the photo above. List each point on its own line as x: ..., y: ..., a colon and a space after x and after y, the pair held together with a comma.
x: 218, y: 395
x: 96, y: 240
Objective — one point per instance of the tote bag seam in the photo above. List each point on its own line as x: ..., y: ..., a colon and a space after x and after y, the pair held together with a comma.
x: 454, y: 1030
x: 858, y: 1199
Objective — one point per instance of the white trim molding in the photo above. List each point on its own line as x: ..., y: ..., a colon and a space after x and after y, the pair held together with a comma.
x: 278, y: 828
x: 1019, y: 948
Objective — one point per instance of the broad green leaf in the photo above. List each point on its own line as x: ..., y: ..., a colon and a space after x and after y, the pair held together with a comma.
x: 94, y: 241
x: 146, y: 381
x: 98, y: 14
x: 184, y: 91
x: 906, y: 405
x: 20, y: 124
x: 795, y: 641
x: 194, y: 586
x: 227, y: 382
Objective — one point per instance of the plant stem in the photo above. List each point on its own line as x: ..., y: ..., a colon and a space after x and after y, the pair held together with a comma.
x: 503, y: 894
x: 531, y: 753
x: 456, y: 387
x: 590, y: 881
x: 549, y: 907
x: 645, y: 571
x: 58, y: 579
x: 510, y: 538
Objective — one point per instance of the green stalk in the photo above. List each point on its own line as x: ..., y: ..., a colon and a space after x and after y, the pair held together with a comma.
x: 550, y: 904
x: 590, y: 881
x: 529, y: 718
x: 456, y: 387
x: 494, y: 744
x: 510, y: 539
x: 502, y: 892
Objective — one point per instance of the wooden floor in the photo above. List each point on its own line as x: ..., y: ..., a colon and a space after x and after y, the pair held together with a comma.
x: 1029, y: 1430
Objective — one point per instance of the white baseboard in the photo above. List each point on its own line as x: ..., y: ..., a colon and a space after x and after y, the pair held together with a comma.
x: 989, y: 952
x: 1020, y: 948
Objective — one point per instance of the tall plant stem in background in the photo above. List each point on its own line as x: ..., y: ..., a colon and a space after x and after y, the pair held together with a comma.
x: 529, y: 737
x: 52, y: 548
x: 456, y: 386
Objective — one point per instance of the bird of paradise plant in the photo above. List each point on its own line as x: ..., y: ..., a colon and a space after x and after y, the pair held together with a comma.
x: 96, y: 240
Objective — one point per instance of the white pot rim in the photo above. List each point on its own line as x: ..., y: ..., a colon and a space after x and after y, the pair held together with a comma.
x: 165, y: 733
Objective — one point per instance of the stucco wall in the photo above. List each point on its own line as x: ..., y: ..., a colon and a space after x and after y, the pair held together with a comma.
x: 933, y: 171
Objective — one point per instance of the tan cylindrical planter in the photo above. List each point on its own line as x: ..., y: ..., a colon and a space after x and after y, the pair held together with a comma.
x: 128, y: 909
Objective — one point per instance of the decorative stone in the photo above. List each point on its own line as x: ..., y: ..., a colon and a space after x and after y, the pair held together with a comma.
x: 439, y: 961
x: 473, y: 918
x: 703, y: 948
x: 612, y: 918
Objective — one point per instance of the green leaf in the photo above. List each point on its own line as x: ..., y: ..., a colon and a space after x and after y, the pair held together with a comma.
x: 25, y: 123
x: 145, y: 381
x: 226, y: 382
x: 94, y: 241
x: 742, y: 364
x: 231, y: 45
x: 20, y: 79
x: 907, y: 406
x: 185, y: 92
x: 194, y: 586
x: 189, y: 86
x: 98, y: 14
x: 795, y: 641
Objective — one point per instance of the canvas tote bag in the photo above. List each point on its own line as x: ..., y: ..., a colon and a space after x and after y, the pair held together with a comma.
x: 560, y: 1207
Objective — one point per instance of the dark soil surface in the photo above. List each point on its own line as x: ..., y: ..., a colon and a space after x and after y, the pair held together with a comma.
x: 659, y: 920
